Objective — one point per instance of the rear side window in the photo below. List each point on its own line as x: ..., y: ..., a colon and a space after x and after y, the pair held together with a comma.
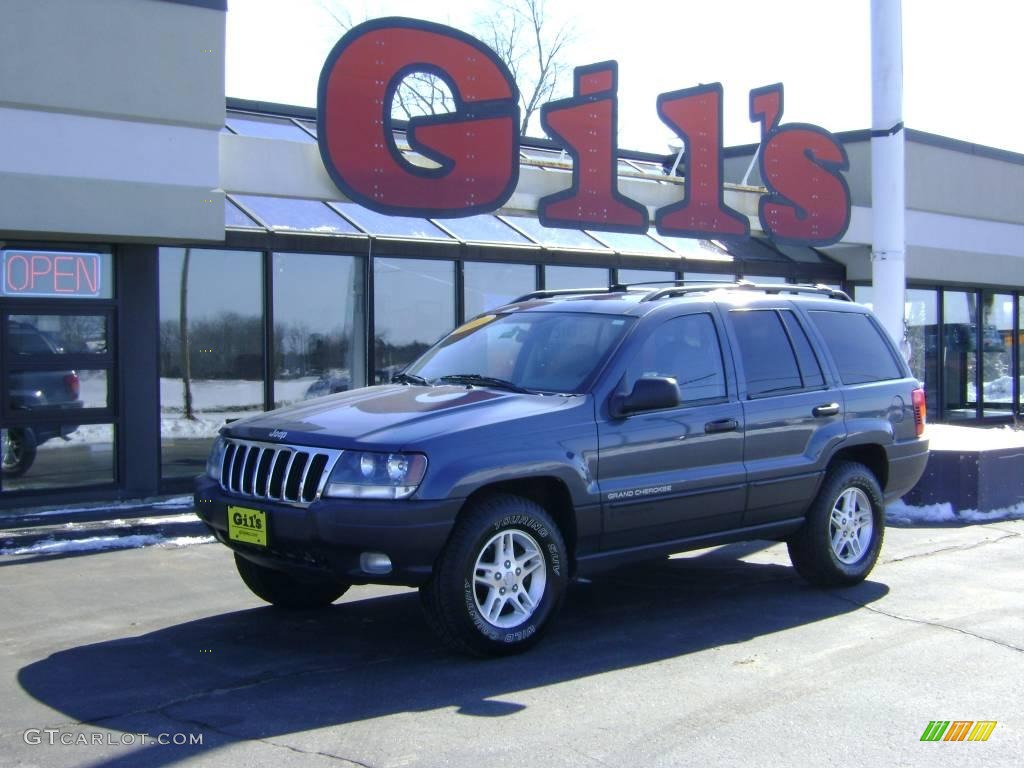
x: 857, y: 346
x: 769, y: 362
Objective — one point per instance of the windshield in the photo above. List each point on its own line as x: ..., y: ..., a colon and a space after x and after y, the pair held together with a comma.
x: 536, y: 351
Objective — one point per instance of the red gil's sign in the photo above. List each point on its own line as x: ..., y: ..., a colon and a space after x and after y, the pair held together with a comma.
x: 50, y: 274
x: 477, y: 145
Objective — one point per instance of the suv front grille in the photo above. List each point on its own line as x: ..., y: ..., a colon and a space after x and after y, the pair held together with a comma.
x: 292, y: 474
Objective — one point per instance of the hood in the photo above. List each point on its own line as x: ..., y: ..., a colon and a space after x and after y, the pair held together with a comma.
x: 393, y: 416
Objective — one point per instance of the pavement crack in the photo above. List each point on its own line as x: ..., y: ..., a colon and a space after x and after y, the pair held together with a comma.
x: 962, y: 548
x: 205, y: 726
x: 925, y: 622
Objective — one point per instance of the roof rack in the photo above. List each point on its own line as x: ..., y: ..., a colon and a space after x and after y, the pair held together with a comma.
x: 546, y: 294
x: 744, y: 285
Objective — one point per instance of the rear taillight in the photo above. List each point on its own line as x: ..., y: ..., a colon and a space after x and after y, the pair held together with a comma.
x: 71, y: 384
x: 920, y: 409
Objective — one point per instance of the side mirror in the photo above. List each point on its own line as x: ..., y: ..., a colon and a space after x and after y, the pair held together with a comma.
x: 650, y: 394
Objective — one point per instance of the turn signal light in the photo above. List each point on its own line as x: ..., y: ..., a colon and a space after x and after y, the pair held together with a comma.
x: 920, y: 409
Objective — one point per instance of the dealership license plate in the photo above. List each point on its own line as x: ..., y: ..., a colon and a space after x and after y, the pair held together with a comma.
x: 248, y: 526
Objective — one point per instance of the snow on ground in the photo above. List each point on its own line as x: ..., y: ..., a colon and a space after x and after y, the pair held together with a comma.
x: 950, y: 437
x: 903, y: 514
x: 177, y: 502
x: 99, y: 543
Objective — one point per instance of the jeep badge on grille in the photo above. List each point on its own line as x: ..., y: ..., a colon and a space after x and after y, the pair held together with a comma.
x: 277, y: 434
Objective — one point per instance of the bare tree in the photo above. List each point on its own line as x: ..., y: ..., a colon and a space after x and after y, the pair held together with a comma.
x: 522, y: 35
x: 532, y: 47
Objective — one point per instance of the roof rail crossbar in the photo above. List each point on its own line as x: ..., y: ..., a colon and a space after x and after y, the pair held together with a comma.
x: 771, y: 288
x: 549, y: 294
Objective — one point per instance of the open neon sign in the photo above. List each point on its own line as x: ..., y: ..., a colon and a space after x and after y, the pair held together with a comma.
x: 477, y: 145
x: 51, y: 274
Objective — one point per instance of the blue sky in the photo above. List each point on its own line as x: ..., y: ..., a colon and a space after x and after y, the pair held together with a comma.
x: 962, y: 71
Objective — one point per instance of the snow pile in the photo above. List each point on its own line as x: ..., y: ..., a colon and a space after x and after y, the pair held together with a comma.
x: 177, y: 502
x: 902, y: 514
x: 100, y: 543
x: 949, y: 437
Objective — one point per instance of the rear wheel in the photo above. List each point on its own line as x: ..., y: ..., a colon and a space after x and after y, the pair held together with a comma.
x: 18, y: 448
x: 500, y: 580
x: 285, y: 590
x: 842, y: 536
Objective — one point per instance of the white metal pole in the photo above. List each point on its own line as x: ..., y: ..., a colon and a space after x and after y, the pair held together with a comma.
x: 888, y: 270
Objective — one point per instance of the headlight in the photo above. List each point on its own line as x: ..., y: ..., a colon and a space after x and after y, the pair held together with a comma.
x: 216, y: 458
x: 363, y: 475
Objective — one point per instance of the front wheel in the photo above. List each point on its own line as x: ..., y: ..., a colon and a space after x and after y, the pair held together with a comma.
x: 18, y: 448
x: 842, y: 536
x: 500, y: 580
x: 283, y: 590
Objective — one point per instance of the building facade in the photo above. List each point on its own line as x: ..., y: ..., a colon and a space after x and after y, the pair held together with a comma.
x: 173, y: 260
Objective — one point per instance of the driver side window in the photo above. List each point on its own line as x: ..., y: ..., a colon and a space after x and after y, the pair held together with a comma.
x: 686, y: 349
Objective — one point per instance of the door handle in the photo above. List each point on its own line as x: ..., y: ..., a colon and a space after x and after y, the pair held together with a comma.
x: 722, y: 425
x: 826, y: 410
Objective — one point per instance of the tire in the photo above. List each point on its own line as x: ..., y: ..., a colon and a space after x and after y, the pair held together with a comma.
x: 18, y: 447
x: 841, y: 539
x: 475, y: 617
x: 283, y: 590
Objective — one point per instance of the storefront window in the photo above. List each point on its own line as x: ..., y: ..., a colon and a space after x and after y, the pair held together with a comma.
x: 211, y: 349
x: 488, y: 285
x: 38, y: 457
x: 414, y: 306
x: 319, y: 307
x: 921, y: 314
x: 627, y: 276
x: 960, y: 315
x: 996, y: 353
x: 575, y: 277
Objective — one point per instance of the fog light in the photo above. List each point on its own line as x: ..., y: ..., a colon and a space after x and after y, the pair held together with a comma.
x: 375, y: 562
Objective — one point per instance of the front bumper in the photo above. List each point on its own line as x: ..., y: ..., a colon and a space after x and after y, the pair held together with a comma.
x: 329, y: 536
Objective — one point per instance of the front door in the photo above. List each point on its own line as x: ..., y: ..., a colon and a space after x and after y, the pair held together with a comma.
x: 674, y: 473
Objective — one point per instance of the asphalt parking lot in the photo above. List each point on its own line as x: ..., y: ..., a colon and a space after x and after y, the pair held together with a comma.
x: 720, y: 657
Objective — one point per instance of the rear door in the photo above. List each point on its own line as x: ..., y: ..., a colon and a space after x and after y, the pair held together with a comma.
x: 674, y: 473
x: 792, y: 408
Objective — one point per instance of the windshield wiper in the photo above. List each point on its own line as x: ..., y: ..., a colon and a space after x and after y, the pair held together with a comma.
x: 409, y: 378
x: 484, y: 381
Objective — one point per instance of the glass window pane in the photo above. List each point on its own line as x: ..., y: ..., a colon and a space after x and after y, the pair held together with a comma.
x: 214, y: 370
x: 67, y: 390
x: 768, y: 362
x: 921, y: 314
x: 287, y: 213
x: 752, y: 249
x: 56, y: 274
x: 959, y: 331
x: 701, y: 277
x: 769, y: 279
x: 554, y: 236
x: 996, y: 349
x: 267, y: 128
x: 489, y: 285
x: 686, y: 349
x: 627, y: 276
x: 691, y: 248
x: 864, y: 294
x: 234, y: 218
x: 393, y: 226
x: 414, y: 303
x: 318, y: 325
x: 56, y: 334
x: 556, y: 278
x: 484, y: 228
x: 809, y: 366
x: 41, y: 459
x: 857, y: 346
x: 632, y: 243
